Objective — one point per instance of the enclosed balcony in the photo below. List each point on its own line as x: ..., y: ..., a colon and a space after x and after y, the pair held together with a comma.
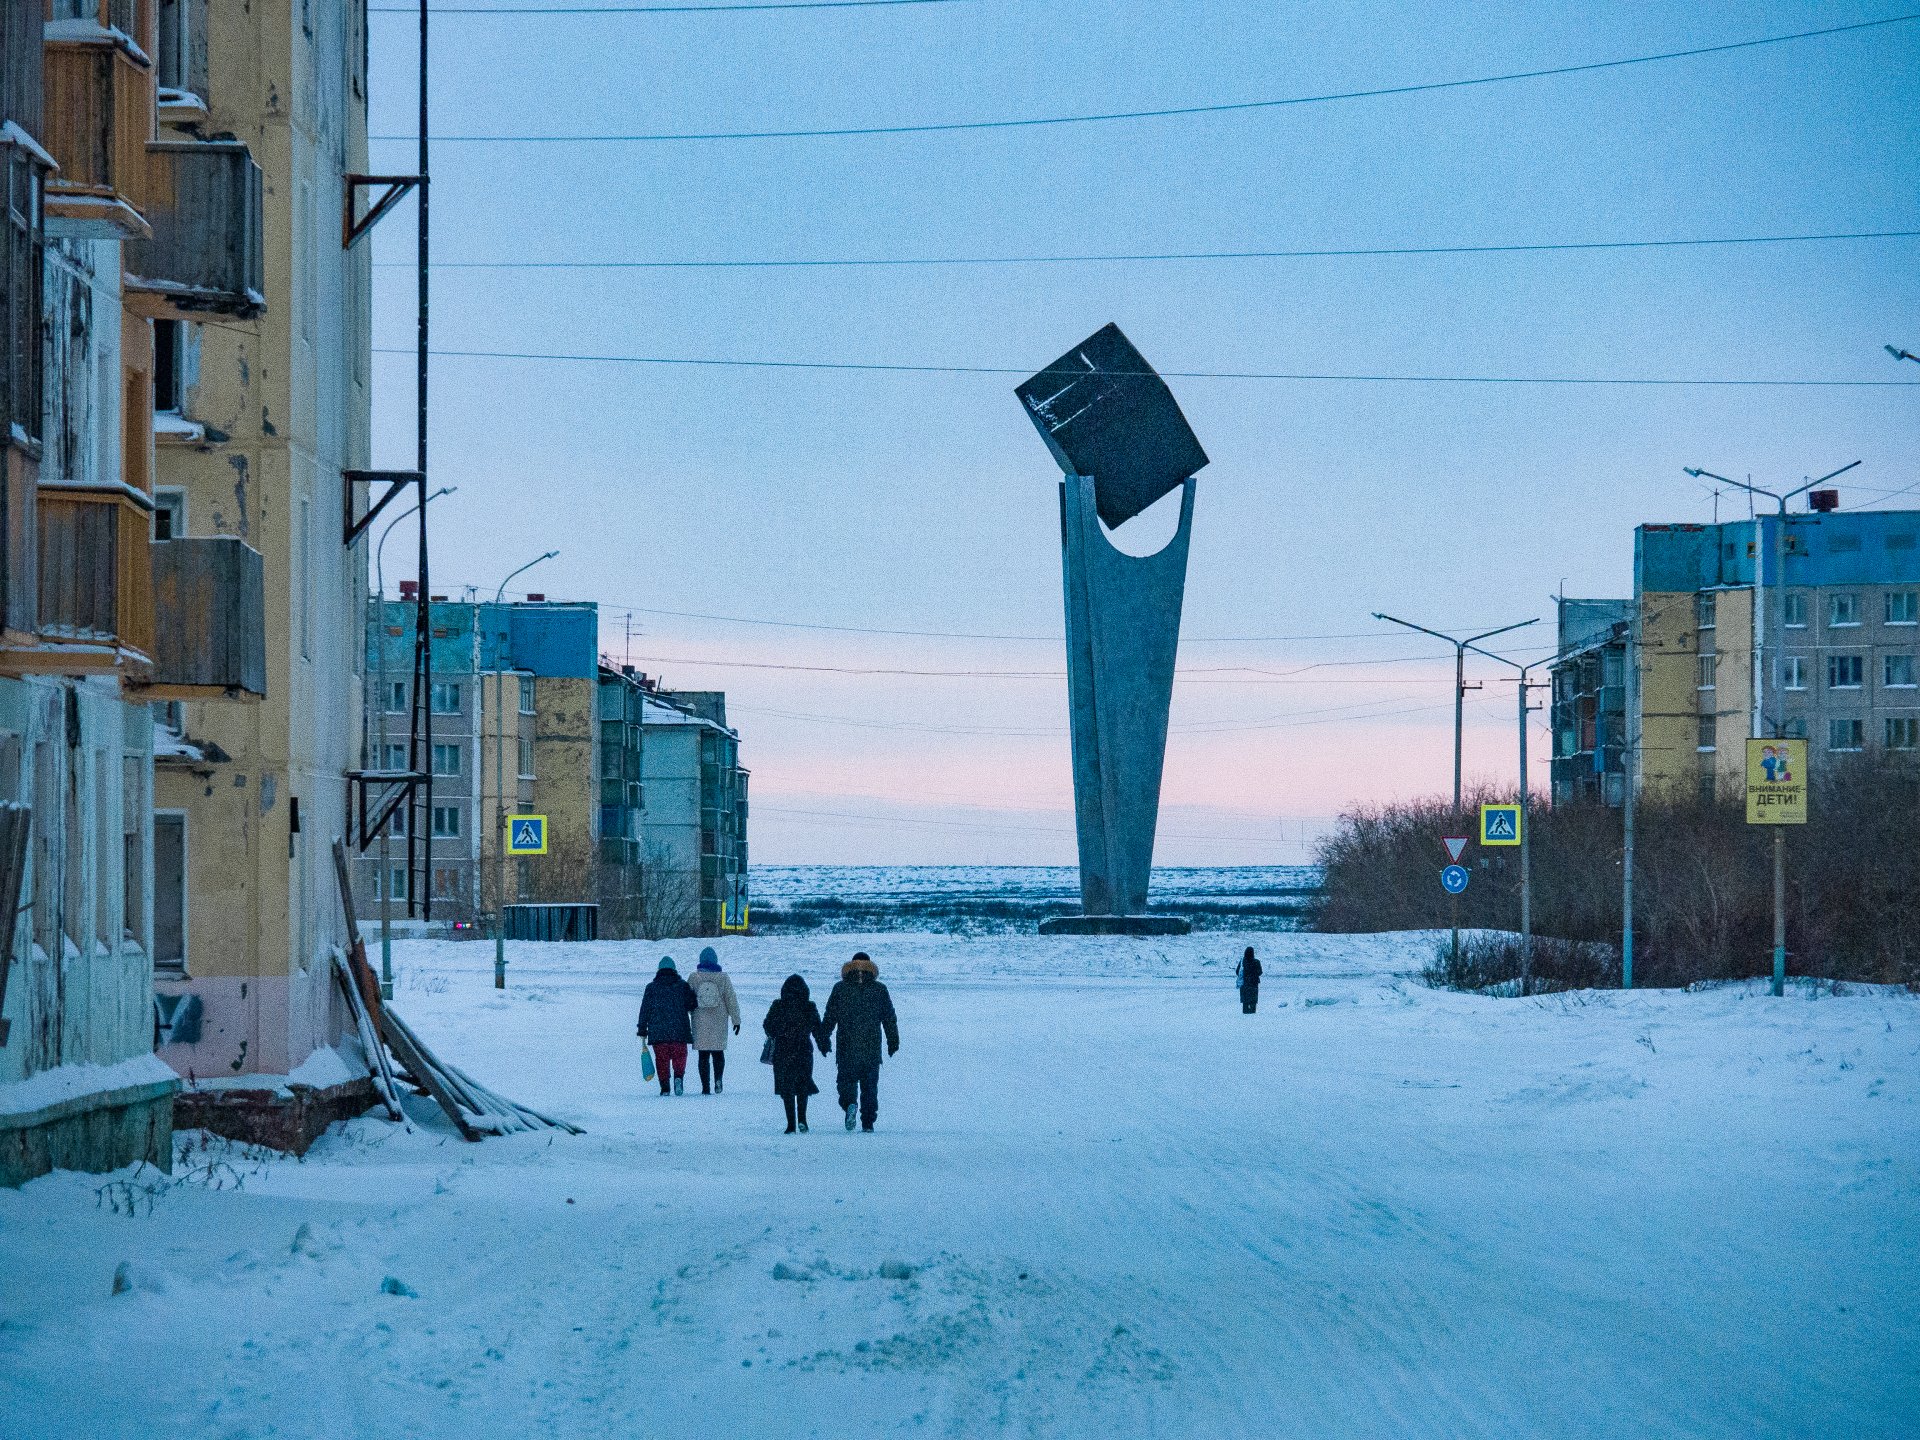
x: 205, y: 255
x: 98, y: 117
x: 96, y: 585
x: 210, y: 605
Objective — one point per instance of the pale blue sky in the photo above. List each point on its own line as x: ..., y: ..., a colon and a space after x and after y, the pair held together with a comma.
x: 926, y: 502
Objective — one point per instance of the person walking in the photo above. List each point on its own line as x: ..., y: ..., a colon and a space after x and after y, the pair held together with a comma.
x: 793, y: 1029
x: 1247, y: 976
x: 715, y: 1006
x: 665, y: 1009
x: 861, y: 1010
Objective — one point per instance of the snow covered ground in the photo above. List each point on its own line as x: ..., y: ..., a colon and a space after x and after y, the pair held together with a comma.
x: 1102, y: 1202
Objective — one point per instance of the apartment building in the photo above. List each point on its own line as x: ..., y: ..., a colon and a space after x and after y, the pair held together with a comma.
x: 526, y: 673
x: 694, y: 819
x: 114, y: 228
x: 1826, y: 648
x: 260, y: 377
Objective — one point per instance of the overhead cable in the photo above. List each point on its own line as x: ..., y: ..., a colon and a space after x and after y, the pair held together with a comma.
x: 1299, y: 376
x: 1169, y: 112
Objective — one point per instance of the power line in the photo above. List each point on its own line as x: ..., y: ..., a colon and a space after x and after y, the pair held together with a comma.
x: 1030, y: 122
x: 646, y: 9
x: 1352, y: 252
x: 859, y: 367
x: 1262, y: 677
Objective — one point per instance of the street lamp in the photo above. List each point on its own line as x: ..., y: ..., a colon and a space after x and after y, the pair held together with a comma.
x: 1460, y: 648
x: 1526, y: 823
x: 500, y: 793
x: 385, y: 888
x: 1900, y: 354
x: 1779, y: 568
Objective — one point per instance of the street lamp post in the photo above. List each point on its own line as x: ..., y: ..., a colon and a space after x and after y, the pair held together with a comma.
x: 1761, y: 725
x: 1460, y: 648
x: 385, y: 887
x: 500, y: 793
x: 1522, y: 684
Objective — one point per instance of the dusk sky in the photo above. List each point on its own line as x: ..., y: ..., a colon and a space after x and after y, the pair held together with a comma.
x: 874, y: 501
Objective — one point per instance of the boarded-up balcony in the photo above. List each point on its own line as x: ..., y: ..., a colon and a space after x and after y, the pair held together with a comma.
x: 210, y: 602
x: 98, y: 118
x: 96, y: 585
x: 205, y: 255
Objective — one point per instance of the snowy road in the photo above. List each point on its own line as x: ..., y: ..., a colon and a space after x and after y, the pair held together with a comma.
x: 1102, y: 1202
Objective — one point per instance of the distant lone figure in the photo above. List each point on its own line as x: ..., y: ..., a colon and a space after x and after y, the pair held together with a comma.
x: 1247, y: 976
x: 860, y: 1009
x: 665, y: 1024
x: 793, y: 1030
x: 715, y: 1007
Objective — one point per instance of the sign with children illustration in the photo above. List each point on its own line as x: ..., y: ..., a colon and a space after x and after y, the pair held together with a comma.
x: 1776, y: 782
x: 526, y: 834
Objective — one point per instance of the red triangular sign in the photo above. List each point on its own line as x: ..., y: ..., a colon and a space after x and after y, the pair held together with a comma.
x: 1455, y: 844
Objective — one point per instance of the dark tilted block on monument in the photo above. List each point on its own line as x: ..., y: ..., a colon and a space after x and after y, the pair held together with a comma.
x: 1104, y: 412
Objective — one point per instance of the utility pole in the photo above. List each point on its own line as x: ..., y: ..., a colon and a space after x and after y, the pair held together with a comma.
x: 1762, y: 725
x: 1630, y: 773
x: 1460, y: 648
x: 500, y: 789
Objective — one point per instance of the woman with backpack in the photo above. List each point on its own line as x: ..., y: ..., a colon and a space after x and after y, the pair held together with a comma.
x: 715, y: 1006
x: 793, y: 1030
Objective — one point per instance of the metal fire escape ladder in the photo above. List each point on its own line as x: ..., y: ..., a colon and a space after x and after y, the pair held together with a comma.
x: 376, y: 793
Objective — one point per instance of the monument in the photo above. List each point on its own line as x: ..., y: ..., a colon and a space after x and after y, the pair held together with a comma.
x: 1122, y: 443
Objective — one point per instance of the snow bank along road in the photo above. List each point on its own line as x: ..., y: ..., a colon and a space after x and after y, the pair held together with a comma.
x: 1101, y: 1202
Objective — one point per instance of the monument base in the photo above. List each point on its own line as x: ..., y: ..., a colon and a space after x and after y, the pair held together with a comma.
x: 1116, y: 925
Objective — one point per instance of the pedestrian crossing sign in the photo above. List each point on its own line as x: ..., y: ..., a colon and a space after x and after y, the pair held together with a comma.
x: 1499, y: 824
x: 526, y: 834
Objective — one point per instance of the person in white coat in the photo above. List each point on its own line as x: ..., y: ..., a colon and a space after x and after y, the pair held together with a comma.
x: 716, y: 1009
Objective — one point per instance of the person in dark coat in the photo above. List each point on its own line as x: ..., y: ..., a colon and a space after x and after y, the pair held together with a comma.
x: 793, y: 1025
x: 861, y: 1010
x: 1247, y: 976
x: 666, y: 1023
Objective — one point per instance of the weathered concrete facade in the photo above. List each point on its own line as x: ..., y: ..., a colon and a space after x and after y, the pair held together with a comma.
x: 270, y: 414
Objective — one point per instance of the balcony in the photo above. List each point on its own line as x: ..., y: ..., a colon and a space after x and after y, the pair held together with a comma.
x: 99, y: 116
x: 211, y: 638
x: 205, y: 255
x: 95, y: 586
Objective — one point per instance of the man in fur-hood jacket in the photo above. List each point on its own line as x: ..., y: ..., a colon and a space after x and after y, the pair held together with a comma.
x: 861, y: 1010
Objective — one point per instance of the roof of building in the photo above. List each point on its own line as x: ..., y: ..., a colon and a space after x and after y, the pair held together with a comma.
x: 1859, y: 547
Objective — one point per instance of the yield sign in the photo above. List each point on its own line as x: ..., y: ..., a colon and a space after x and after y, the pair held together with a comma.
x: 1455, y: 844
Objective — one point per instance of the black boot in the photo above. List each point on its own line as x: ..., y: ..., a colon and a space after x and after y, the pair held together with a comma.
x: 801, y: 1105
x: 787, y: 1100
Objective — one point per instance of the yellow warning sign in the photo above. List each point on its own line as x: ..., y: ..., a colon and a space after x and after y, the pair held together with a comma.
x: 1776, y: 782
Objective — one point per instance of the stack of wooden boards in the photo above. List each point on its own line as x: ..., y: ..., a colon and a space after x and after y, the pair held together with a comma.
x: 474, y: 1110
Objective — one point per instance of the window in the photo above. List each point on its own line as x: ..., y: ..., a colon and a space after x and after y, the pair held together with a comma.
x: 1709, y: 790
x: 1843, y: 609
x: 1903, y: 732
x: 526, y: 694
x: 446, y: 821
x: 22, y: 243
x: 397, y: 822
x: 1704, y: 609
x: 1795, y: 607
x: 446, y: 697
x: 395, y: 757
x: 396, y: 887
x: 1896, y: 672
x: 446, y: 759
x: 1845, y: 672
x: 396, y: 697
x: 526, y: 757
x: 1795, y: 671
x: 170, y: 891
x: 1706, y: 735
x: 1795, y: 729
x: 446, y: 883
x: 169, y: 514
x: 1708, y: 665
x: 1846, y: 733
x: 1903, y: 607
x: 169, y: 367
x: 182, y: 22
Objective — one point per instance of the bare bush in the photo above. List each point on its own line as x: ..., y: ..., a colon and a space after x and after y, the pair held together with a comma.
x: 1703, y: 892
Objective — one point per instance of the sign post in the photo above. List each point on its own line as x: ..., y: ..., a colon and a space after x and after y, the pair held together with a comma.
x: 1777, y: 796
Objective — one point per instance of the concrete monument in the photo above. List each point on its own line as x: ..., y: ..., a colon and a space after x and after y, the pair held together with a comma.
x: 1120, y: 438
